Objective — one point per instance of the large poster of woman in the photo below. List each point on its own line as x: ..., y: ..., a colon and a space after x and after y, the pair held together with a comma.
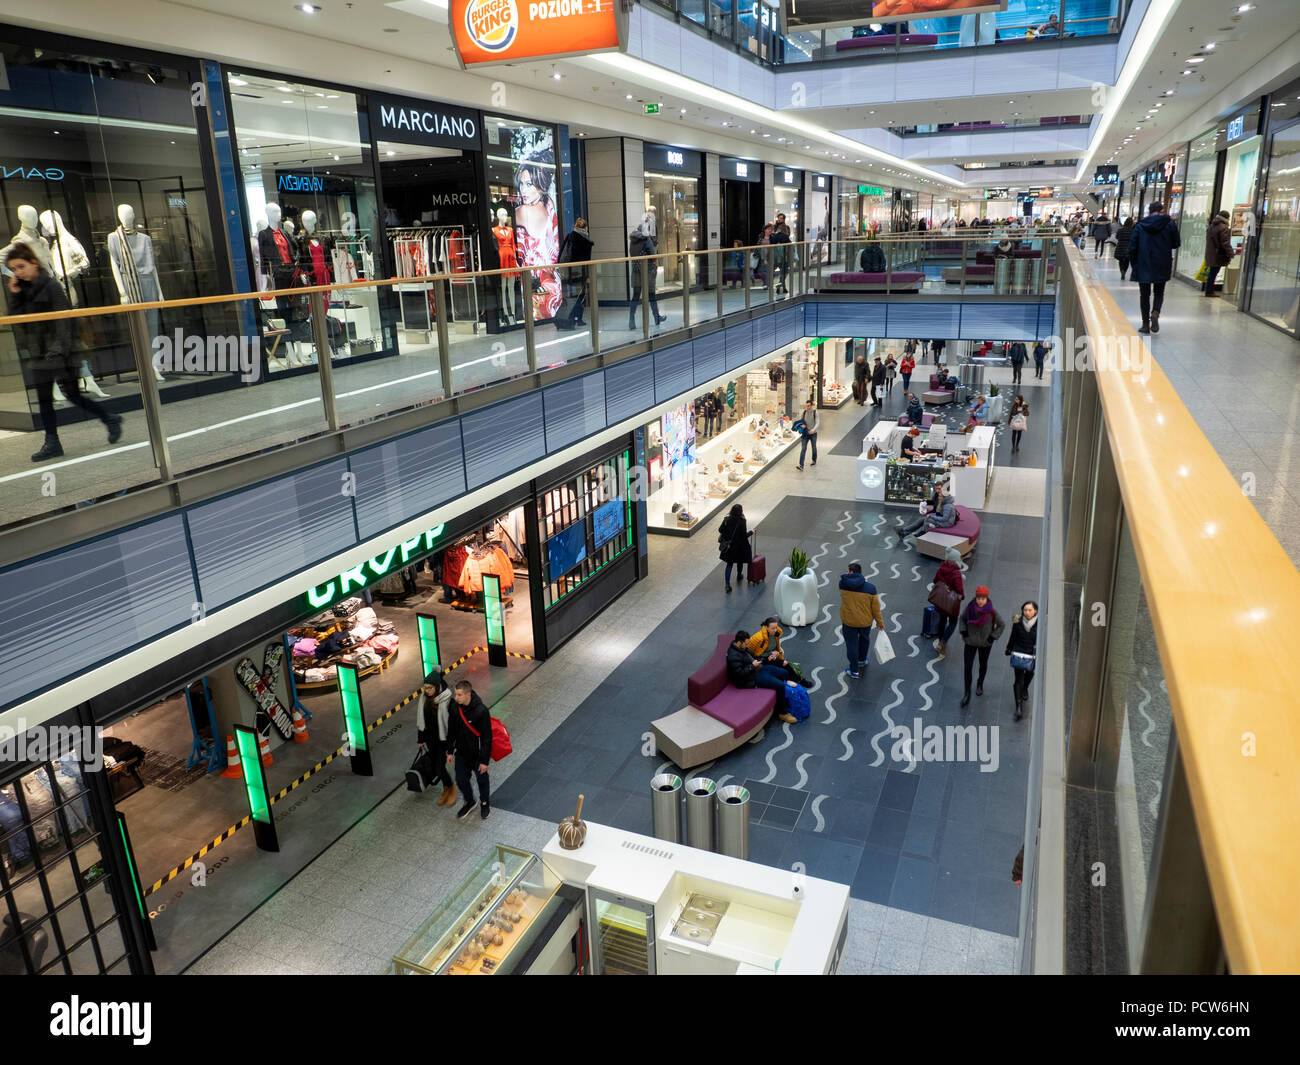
x: 529, y: 152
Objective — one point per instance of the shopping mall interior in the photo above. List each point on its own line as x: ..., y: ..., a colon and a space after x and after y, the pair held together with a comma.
x: 720, y: 488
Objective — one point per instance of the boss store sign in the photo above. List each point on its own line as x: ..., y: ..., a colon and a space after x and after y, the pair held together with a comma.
x: 784, y: 178
x: 664, y: 159
x: 739, y: 169
x: 408, y: 121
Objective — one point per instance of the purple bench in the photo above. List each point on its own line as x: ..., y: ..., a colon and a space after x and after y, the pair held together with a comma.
x: 885, y: 40
x: 875, y: 281
x: 745, y: 710
x: 927, y: 419
x: 935, y: 387
x: 962, y: 535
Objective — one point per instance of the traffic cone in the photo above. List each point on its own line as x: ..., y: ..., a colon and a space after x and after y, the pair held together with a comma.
x: 299, y: 727
x: 233, y: 770
x: 264, y: 749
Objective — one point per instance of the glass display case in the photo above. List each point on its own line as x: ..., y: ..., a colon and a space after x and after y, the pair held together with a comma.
x: 487, y: 923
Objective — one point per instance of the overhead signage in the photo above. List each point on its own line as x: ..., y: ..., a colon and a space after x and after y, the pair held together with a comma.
x: 870, y: 190
x: 1235, y: 128
x: 509, y: 31
x: 1106, y: 175
x: 651, y: 109
x: 367, y: 572
x: 739, y: 169
x: 662, y: 157
x: 765, y: 15
x: 412, y: 121
x: 821, y: 182
x: 787, y: 178
x: 30, y: 173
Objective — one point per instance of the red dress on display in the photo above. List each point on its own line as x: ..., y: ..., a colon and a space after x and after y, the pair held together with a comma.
x: 505, y: 247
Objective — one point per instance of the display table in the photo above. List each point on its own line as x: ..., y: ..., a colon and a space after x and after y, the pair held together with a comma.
x: 970, y: 484
x: 772, y: 921
x: 884, y: 479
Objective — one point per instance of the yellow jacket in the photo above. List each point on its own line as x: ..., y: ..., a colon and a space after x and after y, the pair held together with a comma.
x: 859, y: 602
x: 760, y: 645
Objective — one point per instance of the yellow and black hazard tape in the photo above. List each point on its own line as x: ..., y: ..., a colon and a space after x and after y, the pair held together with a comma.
x: 197, y: 855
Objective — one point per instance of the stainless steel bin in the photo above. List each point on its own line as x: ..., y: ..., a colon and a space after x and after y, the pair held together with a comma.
x: 733, y: 821
x: 699, y: 813
x: 666, y: 807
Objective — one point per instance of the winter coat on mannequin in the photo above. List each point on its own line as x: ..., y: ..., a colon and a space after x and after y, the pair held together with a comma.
x: 70, y: 262
x: 30, y: 234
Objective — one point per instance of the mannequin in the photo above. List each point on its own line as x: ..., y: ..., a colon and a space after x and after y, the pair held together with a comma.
x: 29, y: 234
x: 314, y: 255
x: 277, y: 253
x: 505, y: 237
x: 131, y: 254
x: 258, y: 226
x: 70, y: 262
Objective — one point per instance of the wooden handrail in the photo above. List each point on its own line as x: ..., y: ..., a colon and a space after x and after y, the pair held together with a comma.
x: 1223, y: 595
x: 236, y: 297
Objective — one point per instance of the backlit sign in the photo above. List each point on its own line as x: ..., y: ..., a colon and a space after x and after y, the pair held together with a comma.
x: 870, y: 190
x: 675, y: 158
x: 507, y: 31
x: 742, y: 170
x: 372, y: 569
x: 31, y: 173
x: 1236, y: 127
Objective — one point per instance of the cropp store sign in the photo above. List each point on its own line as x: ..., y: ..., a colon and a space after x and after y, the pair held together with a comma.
x: 353, y: 580
x: 495, y: 31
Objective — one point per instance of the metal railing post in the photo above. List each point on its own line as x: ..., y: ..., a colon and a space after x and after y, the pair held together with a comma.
x: 717, y: 275
x: 771, y: 273
x: 965, y: 246
x: 889, y: 271
x: 748, y: 275
x: 1048, y: 242
x: 644, y: 265
x: 530, y: 322
x: 320, y: 335
x: 444, y: 338
x: 142, y: 349
x: 686, y: 289
x: 593, y: 309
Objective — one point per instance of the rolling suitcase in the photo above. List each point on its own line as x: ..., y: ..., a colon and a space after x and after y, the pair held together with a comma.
x: 757, y: 566
x: 931, y: 624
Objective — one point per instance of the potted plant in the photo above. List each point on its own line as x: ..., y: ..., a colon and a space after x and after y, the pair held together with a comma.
x: 993, y: 390
x: 796, y: 598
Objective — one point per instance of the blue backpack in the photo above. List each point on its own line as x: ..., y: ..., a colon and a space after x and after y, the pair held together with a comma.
x: 796, y: 700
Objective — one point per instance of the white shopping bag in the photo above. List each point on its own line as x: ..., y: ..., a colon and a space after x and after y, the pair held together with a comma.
x: 884, y: 650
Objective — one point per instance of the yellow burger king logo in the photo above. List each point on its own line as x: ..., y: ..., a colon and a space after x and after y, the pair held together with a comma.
x: 492, y: 24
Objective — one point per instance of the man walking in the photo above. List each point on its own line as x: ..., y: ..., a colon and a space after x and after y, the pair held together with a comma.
x: 861, y: 376
x: 810, y: 427
x: 859, y: 609
x: 1151, y: 253
x: 877, y: 383
x: 1018, y: 356
x: 469, y: 743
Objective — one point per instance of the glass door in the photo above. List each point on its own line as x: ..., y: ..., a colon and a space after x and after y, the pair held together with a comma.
x: 623, y: 937
x: 1275, y: 295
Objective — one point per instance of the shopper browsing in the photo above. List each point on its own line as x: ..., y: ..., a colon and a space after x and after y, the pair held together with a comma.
x: 981, y: 625
x: 859, y: 610
x: 469, y: 743
x: 891, y: 371
x: 877, y: 383
x: 906, y: 367
x: 733, y: 544
x: 1019, y: 421
x: 1151, y: 251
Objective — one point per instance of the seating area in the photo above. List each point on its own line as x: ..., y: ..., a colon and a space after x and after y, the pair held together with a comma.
x: 861, y: 281
x: 964, y: 535
x: 719, y: 718
x: 927, y: 420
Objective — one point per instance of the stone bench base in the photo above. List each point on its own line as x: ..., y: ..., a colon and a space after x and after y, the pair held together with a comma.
x: 935, y: 544
x: 691, y: 737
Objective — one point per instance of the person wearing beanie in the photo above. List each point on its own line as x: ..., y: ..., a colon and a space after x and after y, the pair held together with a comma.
x: 981, y: 625
x: 1022, y: 649
x: 949, y: 574
x: 431, y: 719
x: 1218, y: 249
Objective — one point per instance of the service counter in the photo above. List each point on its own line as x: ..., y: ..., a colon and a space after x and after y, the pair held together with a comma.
x: 883, y: 478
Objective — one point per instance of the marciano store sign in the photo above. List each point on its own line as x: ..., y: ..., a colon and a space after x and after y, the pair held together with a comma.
x: 410, y: 121
x: 373, y: 569
x: 507, y: 31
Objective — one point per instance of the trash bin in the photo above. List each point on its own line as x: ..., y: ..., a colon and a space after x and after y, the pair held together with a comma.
x: 699, y: 813
x: 1002, y: 276
x: 666, y: 807
x: 733, y: 821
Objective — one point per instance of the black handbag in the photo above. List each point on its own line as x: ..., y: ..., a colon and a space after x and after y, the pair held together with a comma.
x: 420, y: 774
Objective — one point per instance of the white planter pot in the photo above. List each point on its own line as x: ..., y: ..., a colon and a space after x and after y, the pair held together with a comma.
x: 797, y: 601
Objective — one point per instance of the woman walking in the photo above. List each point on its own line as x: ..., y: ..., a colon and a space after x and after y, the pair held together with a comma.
x: 1019, y: 421
x: 432, y: 714
x: 1022, y: 649
x: 905, y: 368
x: 949, y: 574
x: 1122, y: 236
x: 46, y: 348
x: 981, y: 626
x: 891, y: 371
x: 733, y: 544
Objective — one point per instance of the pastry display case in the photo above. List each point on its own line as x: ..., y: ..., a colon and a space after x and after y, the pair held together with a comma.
x: 487, y: 923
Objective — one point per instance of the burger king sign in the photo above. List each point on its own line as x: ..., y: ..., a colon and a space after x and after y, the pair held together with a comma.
x: 501, y: 31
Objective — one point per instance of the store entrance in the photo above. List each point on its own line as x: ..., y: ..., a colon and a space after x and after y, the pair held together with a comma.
x: 742, y: 212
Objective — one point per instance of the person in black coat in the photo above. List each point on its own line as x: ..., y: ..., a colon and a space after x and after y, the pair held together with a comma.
x: 469, y: 743
x: 1018, y: 357
x: 861, y: 378
x: 1023, y: 641
x: 432, y: 716
x: 746, y: 671
x: 877, y: 383
x: 576, y: 248
x: 640, y: 242
x: 1151, y: 252
x: 1122, y: 240
x: 733, y: 544
x: 1218, y: 249
x: 46, y: 349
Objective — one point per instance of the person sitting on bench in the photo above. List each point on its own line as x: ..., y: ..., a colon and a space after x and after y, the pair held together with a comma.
x: 915, y: 412
x: 746, y: 671
x: 940, y: 514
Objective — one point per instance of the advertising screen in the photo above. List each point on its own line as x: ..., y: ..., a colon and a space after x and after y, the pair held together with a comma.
x: 679, y: 440
x: 934, y: 8
x: 507, y: 31
x: 565, y: 550
x: 607, y: 521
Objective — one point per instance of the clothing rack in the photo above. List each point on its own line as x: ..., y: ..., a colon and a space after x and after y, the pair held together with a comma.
x: 419, y: 251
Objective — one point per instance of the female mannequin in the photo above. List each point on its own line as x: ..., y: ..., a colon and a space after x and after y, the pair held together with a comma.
x: 505, y: 237
x: 277, y: 252
x: 70, y: 262
x: 29, y: 234
x: 130, y: 253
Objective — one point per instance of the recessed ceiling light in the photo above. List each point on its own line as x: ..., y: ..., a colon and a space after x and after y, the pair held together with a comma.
x: 1243, y: 8
x: 332, y: 96
x: 629, y: 96
x: 57, y: 132
x: 1186, y: 72
x: 683, y: 110
x: 390, y: 152
x: 322, y: 107
x: 308, y: 9
x: 1212, y: 46
x: 283, y: 88
x: 1196, y: 59
x: 336, y: 158
x: 321, y: 95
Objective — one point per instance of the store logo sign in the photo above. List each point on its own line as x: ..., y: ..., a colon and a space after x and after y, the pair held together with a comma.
x: 1236, y: 127
x: 820, y: 182
x: 872, y: 477
x: 300, y: 183
x: 492, y: 24
x: 787, y: 176
x: 675, y: 158
x: 742, y: 170
x: 454, y: 199
x: 413, y: 120
x: 372, y: 569
x: 31, y: 173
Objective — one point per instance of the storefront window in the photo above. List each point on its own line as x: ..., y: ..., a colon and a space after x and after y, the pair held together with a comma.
x: 1198, y: 195
x: 1276, y: 292
x: 101, y: 157
x: 741, y: 187
x: 672, y: 205
x: 585, y: 524
x: 787, y: 189
x: 309, y: 187
x: 519, y: 158
x: 1240, y: 170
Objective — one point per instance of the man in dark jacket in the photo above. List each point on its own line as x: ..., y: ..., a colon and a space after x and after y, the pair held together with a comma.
x: 639, y: 242
x: 1122, y: 240
x: 469, y: 742
x: 871, y: 260
x: 1151, y: 251
x: 1100, y: 231
x: 1218, y: 249
x: 859, y: 610
x: 782, y: 252
x: 861, y: 375
x: 575, y: 249
x: 877, y: 382
x: 1018, y: 357
x: 746, y: 671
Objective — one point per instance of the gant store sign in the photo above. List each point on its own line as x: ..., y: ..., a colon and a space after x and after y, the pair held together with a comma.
x: 424, y: 122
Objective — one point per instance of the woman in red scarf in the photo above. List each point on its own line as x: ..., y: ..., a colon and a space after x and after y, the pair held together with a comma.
x: 981, y: 625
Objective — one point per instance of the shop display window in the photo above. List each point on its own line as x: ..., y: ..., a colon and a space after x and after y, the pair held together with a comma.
x: 1276, y: 293
x: 1198, y: 203
x: 585, y: 524
x: 673, y: 203
x: 309, y: 188
x: 102, y: 156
